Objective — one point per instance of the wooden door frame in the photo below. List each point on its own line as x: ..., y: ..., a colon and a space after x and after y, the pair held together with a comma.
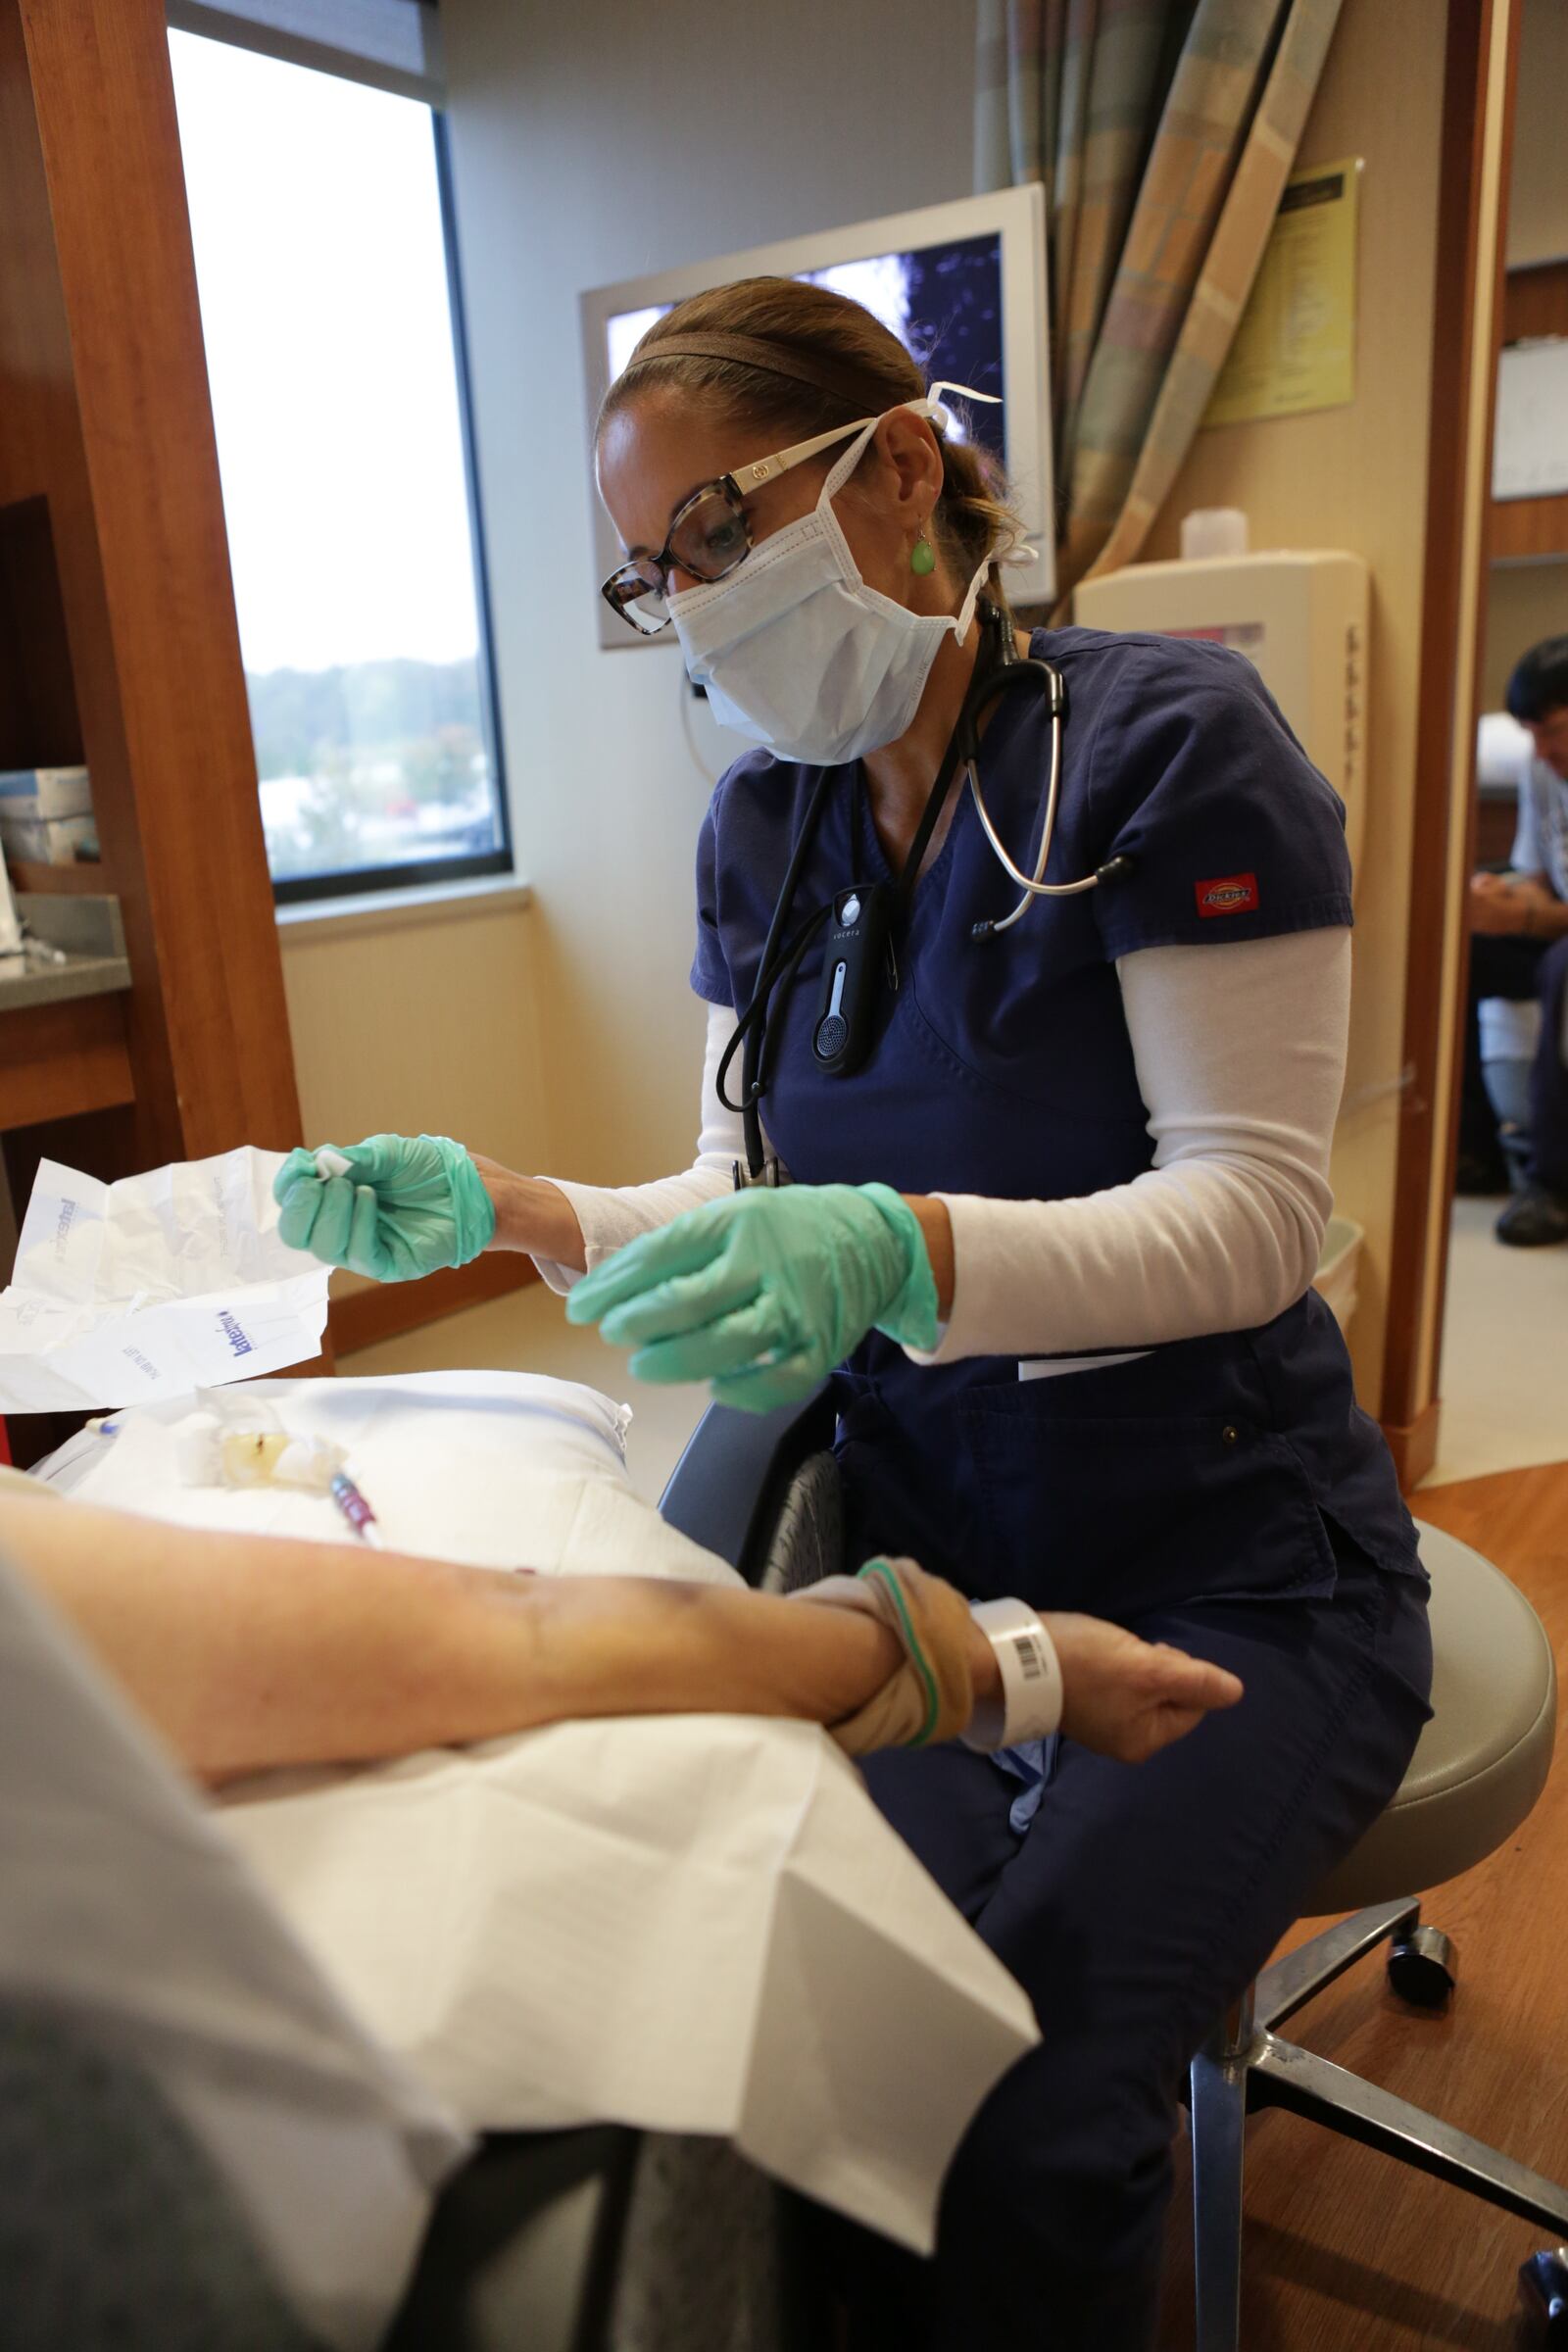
x: 107, y: 428
x: 1466, y: 333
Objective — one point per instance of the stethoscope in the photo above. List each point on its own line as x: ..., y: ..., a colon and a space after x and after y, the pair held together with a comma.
x: 862, y: 920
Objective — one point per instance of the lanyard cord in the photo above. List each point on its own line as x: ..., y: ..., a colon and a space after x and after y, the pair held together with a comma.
x: 780, y: 963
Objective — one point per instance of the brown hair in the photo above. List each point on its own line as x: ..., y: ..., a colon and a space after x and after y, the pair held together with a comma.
x: 795, y: 360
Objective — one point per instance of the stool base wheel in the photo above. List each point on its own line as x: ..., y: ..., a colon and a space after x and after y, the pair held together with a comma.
x: 1423, y: 1967
x: 1247, y: 2064
x: 1544, y: 2285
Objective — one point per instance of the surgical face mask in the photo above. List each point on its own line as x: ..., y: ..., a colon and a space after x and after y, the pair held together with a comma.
x: 796, y: 651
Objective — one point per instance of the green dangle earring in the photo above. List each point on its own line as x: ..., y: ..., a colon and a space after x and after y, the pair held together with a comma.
x: 922, y: 558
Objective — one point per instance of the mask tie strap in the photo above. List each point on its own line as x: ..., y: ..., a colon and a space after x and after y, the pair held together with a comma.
x: 845, y: 465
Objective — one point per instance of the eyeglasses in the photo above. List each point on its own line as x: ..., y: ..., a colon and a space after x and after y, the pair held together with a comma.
x: 710, y: 534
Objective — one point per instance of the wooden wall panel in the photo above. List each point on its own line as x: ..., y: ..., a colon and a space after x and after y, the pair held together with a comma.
x: 38, y: 410
x: 104, y: 411
x: 58, y: 1061
x: 1535, y: 302
x: 39, y: 723
x: 1524, y: 530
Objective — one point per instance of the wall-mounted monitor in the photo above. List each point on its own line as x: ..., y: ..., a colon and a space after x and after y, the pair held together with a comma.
x: 963, y: 285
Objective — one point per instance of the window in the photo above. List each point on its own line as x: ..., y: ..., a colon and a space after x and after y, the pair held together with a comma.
x: 329, y: 308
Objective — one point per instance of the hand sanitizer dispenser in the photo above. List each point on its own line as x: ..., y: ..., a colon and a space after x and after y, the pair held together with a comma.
x: 1301, y: 616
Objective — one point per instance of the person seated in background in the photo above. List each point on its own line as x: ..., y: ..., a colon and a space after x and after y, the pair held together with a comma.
x: 1519, y: 950
x: 246, y: 1653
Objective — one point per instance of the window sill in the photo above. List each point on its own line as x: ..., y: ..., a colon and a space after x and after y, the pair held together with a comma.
x: 317, y: 919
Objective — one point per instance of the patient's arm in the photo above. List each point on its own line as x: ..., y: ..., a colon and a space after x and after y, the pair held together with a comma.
x: 254, y: 1651
x: 248, y: 1651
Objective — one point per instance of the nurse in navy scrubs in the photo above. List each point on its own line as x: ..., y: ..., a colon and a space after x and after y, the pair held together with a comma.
x: 1052, y: 1235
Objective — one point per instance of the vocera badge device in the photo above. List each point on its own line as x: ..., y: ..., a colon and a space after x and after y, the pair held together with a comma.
x: 857, y: 960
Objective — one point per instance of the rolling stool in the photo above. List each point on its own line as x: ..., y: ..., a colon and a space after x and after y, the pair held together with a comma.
x: 1479, y: 1767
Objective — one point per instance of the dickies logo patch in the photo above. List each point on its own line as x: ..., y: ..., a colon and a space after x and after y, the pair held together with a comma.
x: 1227, y: 894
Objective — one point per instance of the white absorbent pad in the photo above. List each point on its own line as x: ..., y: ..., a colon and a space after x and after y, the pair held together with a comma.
x: 694, y: 1923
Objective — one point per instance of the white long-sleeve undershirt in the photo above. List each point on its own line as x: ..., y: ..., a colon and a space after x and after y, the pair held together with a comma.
x: 1240, y: 1054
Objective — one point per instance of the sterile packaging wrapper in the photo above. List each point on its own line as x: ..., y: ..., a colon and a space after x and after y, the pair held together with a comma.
x: 128, y: 1292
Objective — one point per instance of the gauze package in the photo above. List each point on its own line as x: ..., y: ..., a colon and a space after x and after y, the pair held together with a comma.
x: 130, y: 1292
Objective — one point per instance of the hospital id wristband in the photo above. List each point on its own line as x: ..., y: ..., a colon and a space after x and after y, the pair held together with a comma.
x: 1030, y: 1705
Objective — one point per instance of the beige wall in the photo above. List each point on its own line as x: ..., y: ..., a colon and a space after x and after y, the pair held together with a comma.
x: 1525, y: 602
x: 1355, y: 477
x: 1537, y: 194
x: 421, y: 1025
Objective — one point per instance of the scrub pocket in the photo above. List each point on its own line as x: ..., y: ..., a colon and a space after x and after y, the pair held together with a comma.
x: 1100, y: 1501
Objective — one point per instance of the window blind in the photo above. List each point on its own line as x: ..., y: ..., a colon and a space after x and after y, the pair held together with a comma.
x: 394, y: 44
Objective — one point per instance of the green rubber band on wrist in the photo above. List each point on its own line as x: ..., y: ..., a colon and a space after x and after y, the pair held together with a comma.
x: 880, y: 1572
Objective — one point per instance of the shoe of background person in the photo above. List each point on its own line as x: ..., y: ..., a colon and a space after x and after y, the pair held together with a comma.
x: 1481, y: 1173
x: 1514, y: 1143
x: 1534, y: 1219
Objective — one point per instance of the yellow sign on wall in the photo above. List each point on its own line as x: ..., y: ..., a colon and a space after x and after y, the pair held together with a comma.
x: 1295, y: 346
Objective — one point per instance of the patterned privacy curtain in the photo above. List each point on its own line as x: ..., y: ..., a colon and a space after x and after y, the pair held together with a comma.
x: 1163, y: 131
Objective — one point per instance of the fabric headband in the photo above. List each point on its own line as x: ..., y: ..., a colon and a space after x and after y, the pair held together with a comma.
x: 754, y: 351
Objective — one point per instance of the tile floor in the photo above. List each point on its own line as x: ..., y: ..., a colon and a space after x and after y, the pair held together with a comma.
x: 1504, y: 1379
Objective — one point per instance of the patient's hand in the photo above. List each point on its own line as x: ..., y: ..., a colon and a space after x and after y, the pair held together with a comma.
x: 1129, y: 1698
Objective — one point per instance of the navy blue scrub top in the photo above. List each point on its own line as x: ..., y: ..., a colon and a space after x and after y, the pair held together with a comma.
x: 1004, y: 1067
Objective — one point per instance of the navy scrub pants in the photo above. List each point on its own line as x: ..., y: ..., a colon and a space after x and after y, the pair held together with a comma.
x: 1135, y: 1907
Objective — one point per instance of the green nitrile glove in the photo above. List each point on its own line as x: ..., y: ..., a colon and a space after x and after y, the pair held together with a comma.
x: 764, y: 1292
x: 406, y: 1205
